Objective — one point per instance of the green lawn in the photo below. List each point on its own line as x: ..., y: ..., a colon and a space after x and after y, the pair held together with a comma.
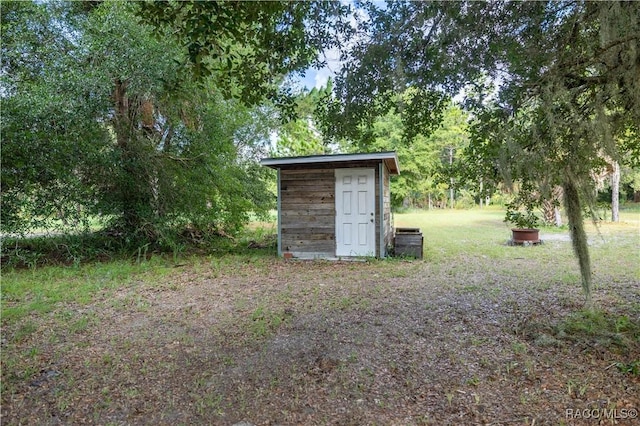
x: 482, y: 232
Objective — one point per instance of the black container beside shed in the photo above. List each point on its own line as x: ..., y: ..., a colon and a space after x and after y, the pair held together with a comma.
x: 408, y: 242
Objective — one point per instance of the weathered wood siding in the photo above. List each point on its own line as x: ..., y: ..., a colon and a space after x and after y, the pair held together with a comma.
x: 386, y: 212
x: 388, y: 224
x: 308, y: 212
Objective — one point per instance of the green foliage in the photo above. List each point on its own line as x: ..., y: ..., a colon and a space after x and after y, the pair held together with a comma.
x: 265, y: 322
x: 429, y: 164
x: 393, y: 53
x: 71, y: 249
x: 629, y: 182
x: 632, y: 368
x: 101, y: 121
x: 249, y: 47
x: 50, y: 145
x: 302, y: 135
x: 103, y: 246
x: 521, y: 210
x: 524, y: 219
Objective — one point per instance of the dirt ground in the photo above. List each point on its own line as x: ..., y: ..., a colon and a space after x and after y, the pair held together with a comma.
x: 271, y: 342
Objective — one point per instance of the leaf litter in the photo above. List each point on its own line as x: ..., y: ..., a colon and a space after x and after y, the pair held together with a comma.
x: 275, y: 342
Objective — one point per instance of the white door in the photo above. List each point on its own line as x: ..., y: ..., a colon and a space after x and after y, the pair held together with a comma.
x: 355, y: 212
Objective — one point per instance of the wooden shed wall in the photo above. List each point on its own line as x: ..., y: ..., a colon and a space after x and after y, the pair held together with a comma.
x: 307, y: 212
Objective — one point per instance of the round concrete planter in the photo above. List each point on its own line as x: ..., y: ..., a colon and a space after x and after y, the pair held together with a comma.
x: 525, y: 235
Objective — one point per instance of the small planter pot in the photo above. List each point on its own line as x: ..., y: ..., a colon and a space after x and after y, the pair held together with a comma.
x: 525, y: 235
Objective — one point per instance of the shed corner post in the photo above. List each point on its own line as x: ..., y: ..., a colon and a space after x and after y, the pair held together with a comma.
x: 382, y: 249
x: 279, y: 213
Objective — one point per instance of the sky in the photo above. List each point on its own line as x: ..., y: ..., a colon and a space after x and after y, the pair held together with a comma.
x: 316, y: 78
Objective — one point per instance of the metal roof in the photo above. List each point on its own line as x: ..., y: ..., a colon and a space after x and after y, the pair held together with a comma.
x: 388, y: 157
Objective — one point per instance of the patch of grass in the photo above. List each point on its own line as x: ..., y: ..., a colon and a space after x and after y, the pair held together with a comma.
x: 473, y: 381
x: 456, y: 242
x: 69, y: 250
x: 471, y: 289
x: 519, y: 348
x: 44, y: 289
x: 576, y: 388
x: 632, y: 368
x: 264, y: 322
x: 82, y: 324
x: 342, y: 303
x: 598, y: 325
x: 208, y: 402
x: 456, y: 232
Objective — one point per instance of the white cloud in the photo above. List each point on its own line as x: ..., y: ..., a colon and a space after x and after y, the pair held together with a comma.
x: 322, y: 76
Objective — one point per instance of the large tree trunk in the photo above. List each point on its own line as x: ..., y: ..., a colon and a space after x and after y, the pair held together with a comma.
x: 133, y: 187
x: 548, y: 212
x: 615, y: 192
x: 550, y: 209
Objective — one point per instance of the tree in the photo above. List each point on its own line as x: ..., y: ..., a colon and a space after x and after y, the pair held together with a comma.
x: 249, y: 47
x: 566, y: 75
x: 301, y: 136
x: 105, y: 122
x: 573, y: 85
x: 50, y: 143
x: 451, y: 138
x: 429, y: 163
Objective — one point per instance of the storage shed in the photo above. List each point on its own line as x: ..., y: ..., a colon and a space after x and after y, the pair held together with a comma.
x: 334, y: 206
